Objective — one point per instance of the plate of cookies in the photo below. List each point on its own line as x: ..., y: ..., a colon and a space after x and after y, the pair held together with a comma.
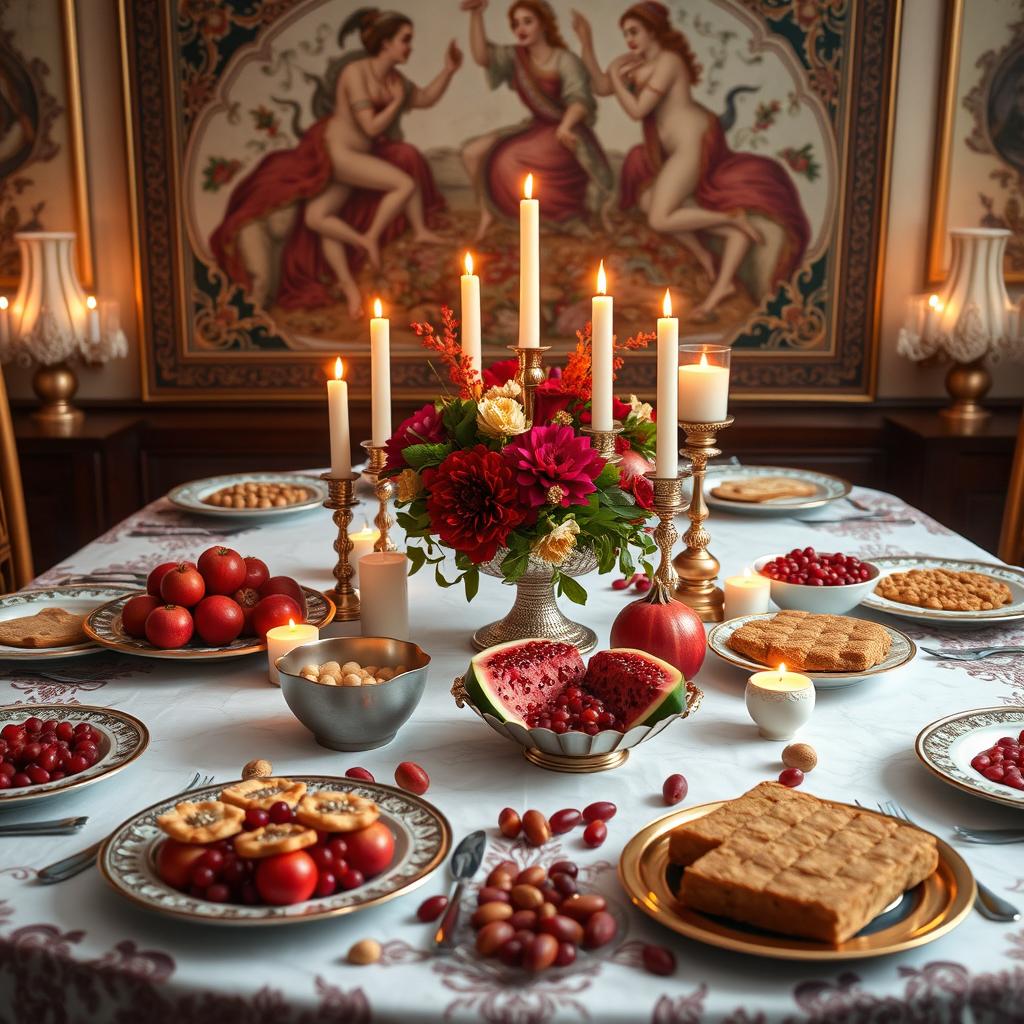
x: 266, y: 850
x: 862, y: 884
x: 771, y: 491
x: 250, y: 495
x: 832, y: 650
x: 947, y: 591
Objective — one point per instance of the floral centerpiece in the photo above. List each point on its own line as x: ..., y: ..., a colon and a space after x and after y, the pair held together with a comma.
x: 533, y: 503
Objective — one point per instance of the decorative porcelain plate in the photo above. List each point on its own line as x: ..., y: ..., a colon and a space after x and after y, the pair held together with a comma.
x: 422, y: 834
x: 123, y: 739
x: 902, y: 652
x: 80, y: 600
x: 925, y: 913
x: 828, y: 488
x: 1011, y: 575
x: 190, y: 496
x: 947, y: 746
x: 104, y: 626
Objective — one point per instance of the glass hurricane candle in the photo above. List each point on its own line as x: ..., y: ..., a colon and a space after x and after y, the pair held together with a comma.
x: 704, y: 383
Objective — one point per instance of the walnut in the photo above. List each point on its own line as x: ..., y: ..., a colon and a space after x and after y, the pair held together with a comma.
x: 258, y: 769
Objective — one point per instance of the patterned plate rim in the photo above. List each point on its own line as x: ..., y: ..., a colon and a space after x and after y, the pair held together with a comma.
x: 138, y: 647
x: 632, y: 879
x: 804, y: 506
x: 279, y: 915
x: 24, y: 794
x: 174, y: 495
x: 726, y: 654
x: 963, y: 781
x: 50, y: 653
x: 893, y: 563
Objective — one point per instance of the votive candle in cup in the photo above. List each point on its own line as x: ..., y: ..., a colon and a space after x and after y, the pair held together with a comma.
x: 748, y: 594
x: 704, y: 383
x: 779, y: 702
x: 362, y: 544
x: 283, y: 639
x: 384, y: 594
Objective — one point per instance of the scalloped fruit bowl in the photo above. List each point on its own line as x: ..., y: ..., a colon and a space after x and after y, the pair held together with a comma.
x: 576, y: 751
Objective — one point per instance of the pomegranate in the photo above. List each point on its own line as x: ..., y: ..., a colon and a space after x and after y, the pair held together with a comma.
x: 664, y: 627
x: 633, y: 463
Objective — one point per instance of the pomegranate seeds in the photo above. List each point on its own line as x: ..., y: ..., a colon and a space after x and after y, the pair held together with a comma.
x: 1003, y: 762
x: 575, y: 711
x: 807, y: 567
x: 34, y: 752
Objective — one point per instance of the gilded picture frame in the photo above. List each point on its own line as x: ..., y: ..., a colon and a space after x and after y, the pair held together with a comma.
x: 214, y: 325
x: 979, y: 158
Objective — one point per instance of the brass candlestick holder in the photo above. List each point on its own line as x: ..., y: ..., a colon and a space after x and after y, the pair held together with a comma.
x: 695, y: 566
x: 668, y: 502
x: 530, y: 374
x: 603, y: 441
x: 385, y: 490
x: 341, y: 497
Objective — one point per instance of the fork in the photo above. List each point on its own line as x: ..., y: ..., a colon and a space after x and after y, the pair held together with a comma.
x: 987, y: 903
x: 56, y: 827
x: 971, y: 654
x: 61, y: 870
x: 874, y: 517
x: 994, y: 836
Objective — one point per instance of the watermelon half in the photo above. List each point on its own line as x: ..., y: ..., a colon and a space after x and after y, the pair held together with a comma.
x: 513, y: 680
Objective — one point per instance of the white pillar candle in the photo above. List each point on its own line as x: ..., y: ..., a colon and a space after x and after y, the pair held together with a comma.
x: 362, y: 544
x: 703, y: 392
x: 666, y: 456
x: 282, y: 639
x: 471, y: 314
x: 779, y: 702
x: 384, y: 594
x: 5, y: 324
x: 601, y: 355
x: 932, y: 317
x: 748, y: 594
x: 529, y: 267
x: 380, y: 377
x: 337, y: 419
x: 92, y: 320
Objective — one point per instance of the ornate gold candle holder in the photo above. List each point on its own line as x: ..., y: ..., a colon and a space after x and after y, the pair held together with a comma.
x: 695, y: 566
x: 530, y: 374
x: 668, y: 502
x: 341, y: 497
x: 603, y: 441
x: 385, y: 490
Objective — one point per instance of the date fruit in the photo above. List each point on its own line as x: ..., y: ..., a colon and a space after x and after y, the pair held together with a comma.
x: 595, y: 833
x: 359, y: 773
x: 432, y: 908
x: 659, y: 960
x: 674, y: 789
x: 602, y: 810
x: 564, y: 821
x: 536, y: 828
x: 412, y: 778
x: 509, y: 823
x: 492, y: 936
x: 599, y: 930
x: 542, y: 953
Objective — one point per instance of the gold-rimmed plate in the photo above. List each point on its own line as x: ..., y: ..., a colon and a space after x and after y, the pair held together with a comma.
x: 123, y: 738
x: 105, y: 627
x: 191, y: 496
x: 1011, y: 575
x: 902, y: 651
x: 925, y: 913
x: 422, y: 835
x: 947, y: 746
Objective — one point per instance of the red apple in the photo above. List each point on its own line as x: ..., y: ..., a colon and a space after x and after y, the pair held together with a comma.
x: 218, y: 619
x: 133, y: 614
x: 247, y: 599
x: 222, y: 570
x: 272, y: 611
x: 285, y: 585
x: 156, y: 576
x: 256, y: 572
x: 183, y: 585
x: 169, y: 626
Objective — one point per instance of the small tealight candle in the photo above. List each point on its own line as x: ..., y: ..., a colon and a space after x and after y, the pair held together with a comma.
x: 779, y: 702
x: 282, y: 639
x: 362, y: 544
x: 384, y: 594
x: 747, y: 594
x: 93, y: 320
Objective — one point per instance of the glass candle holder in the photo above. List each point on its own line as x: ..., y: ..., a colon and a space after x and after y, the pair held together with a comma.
x: 704, y: 383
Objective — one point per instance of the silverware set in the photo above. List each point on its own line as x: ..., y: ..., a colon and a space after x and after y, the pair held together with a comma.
x: 56, y: 827
x: 105, y: 577
x: 970, y: 653
x: 990, y: 836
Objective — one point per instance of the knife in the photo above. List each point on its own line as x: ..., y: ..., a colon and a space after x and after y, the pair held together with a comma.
x: 466, y: 861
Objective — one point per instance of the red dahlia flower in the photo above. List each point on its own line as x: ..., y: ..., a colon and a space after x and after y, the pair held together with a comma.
x: 554, y: 466
x: 423, y: 427
x: 473, y: 503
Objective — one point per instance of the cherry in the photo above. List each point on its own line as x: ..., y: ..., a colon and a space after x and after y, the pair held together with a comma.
x: 280, y: 813
x: 212, y: 859
x: 326, y: 884
x: 350, y: 878
x: 338, y: 848
x: 256, y: 817
x: 321, y: 856
x: 218, y: 893
x: 202, y: 876
x: 791, y: 777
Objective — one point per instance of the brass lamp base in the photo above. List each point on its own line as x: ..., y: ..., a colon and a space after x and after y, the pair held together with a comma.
x: 56, y: 386
x: 575, y: 765
x: 967, y: 384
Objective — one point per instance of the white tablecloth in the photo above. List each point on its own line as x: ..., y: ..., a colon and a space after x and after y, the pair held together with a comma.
x: 77, y: 952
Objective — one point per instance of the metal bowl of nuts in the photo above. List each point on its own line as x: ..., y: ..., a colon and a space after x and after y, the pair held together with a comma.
x: 354, y: 693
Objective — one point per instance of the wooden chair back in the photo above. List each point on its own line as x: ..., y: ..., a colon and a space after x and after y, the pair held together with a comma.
x: 1011, y: 538
x: 15, y: 546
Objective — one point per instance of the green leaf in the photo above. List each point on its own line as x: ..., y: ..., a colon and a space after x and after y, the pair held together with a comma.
x: 608, y: 477
x: 417, y: 558
x: 471, y: 581
x: 420, y: 456
x: 576, y: 592
x: 514, y: 565
x: 440, y: 580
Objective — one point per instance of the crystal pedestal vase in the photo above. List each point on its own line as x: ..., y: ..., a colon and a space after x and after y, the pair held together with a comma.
x: 535, y: 611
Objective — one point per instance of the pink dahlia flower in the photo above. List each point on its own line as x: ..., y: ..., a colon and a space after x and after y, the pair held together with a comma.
x: 552, y: 465
x: 423, y: 427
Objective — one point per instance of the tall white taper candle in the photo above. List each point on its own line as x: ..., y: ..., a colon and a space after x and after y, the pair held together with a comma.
x: 337, y: 419
x: 667, y: 441
x: 529, y: 267
x: 470, y: 283
x: 601, y: 354
x: 380, y: 376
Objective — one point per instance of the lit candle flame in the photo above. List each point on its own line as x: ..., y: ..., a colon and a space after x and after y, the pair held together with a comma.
x: 703, y: 359
x: 747, y: 572
x: 3, y: 301
x: 666, y: 304
x: 291, y: 624
x: 528, y: 187
x: 91, y: 301
x: 378, y: 309
x: 935, y: 303
x: 469, y: 263
x: 782, y: 669
x: 339, y: 369
x: 602, y: 279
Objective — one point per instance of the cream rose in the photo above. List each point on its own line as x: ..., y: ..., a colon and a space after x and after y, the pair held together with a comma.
x: 641, y: 410
x: 500, y: 417
x: 555, y: 547
x: 510, y: 389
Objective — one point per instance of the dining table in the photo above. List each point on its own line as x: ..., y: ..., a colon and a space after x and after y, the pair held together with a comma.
x: 77, y: 951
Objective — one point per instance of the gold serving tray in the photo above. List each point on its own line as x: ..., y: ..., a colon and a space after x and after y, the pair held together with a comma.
x: 940, y: 903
